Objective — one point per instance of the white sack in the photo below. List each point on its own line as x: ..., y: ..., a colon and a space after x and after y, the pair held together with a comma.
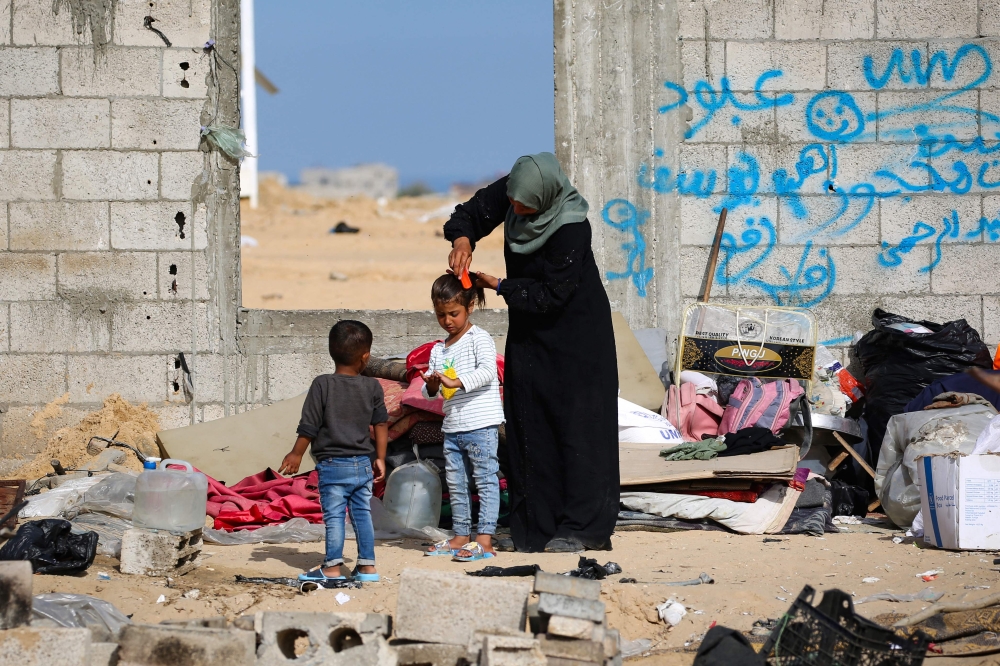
x: 767, y: 515
x: 637, y: 425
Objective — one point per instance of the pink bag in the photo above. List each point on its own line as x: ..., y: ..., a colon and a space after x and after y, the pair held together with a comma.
x: 692, y: 413
x: 765, y: 405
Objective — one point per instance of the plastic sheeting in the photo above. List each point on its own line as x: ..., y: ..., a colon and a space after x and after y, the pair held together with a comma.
x: 61, y: 500
x: 989, y: 438
x: 76, y: 611
x: 114, y: 495
x: 765, y: 516
x: 109, y: 529
x: 914, y: 434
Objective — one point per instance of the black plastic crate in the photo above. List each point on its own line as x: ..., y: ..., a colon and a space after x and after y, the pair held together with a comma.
x: 830, y: 634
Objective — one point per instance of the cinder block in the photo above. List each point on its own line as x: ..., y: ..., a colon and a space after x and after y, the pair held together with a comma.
x: 569, y: 586
x: 490, y: 605
x: 612, y: 643
x: 736, y: 19
x: 176, y: 276
x: 691, y: 18
x: 5, y: 21
x: 159, y: 225
x: 846, y: 70
x: 28, y: 72
x: 4, y: 328
x: 901, y: 215
x: 914, y: 19
x: 989, y: 20
x: 570, y: 627
x: 209, y: 377
x: 4, y: 123
x: 289, y: 375
x: 699, y: 220
x: 60, y: 123
x: 702, y: 61
x: 701, y: 161
x: 172, y: 416
x: 959, y: 125
x: 179, y: 171
x: 159, y: 327
x: 105, y: 174
x: 859, y: 164
x: 833, y: 19
x: 859, y: 272
x: 802, y: 66
x: 119, y: 72
x: 991, y: 320
x: 59, y: 226
x: 826, y: 222
x: 563, y: 648
x: 186, y: 24
x: 44, y: 646
x: 156, y: 124
x: 511, y: 651
x: 560, y: 604
x: 15, y: 594
x: 27, y: 175
x: 851, y: 123
x: 44, y: 24
x: 136, y: 378
x: 159, y: 553
x: 59, y: 326
x: 331, y: 636
x: 959, y: 267
x: 104, y: 654
x: 429, y: 654
x: 184, y: 73
x: 158, y: 645
x: 27, y: 276
x: 107, y: 277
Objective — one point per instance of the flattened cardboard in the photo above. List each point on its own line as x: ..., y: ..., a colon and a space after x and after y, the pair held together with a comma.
x: 238, y: 446
x: 639, y: 466
x: 637, y: 378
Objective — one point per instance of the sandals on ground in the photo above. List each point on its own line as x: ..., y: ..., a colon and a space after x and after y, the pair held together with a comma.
x: 441, y: 548
x: 476, y: 553
x: 318, y: 575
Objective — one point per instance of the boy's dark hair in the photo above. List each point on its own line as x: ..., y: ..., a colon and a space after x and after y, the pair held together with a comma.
x: 448, y: 288
x: 349, y: 340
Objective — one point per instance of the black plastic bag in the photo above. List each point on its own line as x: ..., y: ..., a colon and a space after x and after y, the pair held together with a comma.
x: 849, y: 500
x: 51, y: 547
x: 590, y: 569
x: 723, y: 646
x: 898, y: 365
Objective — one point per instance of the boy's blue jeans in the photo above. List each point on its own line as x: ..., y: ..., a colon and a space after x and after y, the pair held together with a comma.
x: 475, y: 453
x: 343, y: 482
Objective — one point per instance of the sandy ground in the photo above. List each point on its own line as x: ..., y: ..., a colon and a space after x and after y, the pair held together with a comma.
x: 389, y: 264
x: 753, y: 580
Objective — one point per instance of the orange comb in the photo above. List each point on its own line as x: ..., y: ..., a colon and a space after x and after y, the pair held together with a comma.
x: 466, y: 282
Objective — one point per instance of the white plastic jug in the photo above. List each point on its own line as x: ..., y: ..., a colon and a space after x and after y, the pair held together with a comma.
x: 169, y: 499
x: 413, y: 494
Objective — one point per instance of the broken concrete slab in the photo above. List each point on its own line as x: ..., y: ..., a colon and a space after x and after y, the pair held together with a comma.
x: 103, y: 654
x: 511, y: 651
x: 15, y: 594
x: 489, y: 606
x: 233, y: 448
x: 159, y: 553
x: 157, y: 645
x: 560, y: 604
x: 44, y: 646
x: 561, y: 626
x: 429, y: 654
x: 564, y: 648
x: 570, y: 586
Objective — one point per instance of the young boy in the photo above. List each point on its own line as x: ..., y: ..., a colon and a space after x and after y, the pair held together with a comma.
x: 335, y: 419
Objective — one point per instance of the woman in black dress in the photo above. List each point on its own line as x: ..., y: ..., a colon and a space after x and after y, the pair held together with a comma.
x: 561, y: 372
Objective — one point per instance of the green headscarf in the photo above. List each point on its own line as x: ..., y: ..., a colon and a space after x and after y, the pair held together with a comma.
x: 538, y: 182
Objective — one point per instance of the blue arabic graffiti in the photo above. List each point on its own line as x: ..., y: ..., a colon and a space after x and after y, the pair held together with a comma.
x: 624, y: 216
x: 945, y: 144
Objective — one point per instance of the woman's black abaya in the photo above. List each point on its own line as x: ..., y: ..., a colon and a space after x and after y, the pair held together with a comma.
x: 560, y: 382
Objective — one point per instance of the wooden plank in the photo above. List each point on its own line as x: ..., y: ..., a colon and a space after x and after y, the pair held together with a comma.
x: 850, y: 450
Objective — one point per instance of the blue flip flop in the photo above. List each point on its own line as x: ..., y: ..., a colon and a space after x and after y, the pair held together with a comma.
x: 318, y: 575
x: 477, y: 551
x: 364, y: 577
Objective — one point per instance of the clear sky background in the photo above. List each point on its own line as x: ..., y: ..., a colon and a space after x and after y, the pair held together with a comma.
x: 443, y: 90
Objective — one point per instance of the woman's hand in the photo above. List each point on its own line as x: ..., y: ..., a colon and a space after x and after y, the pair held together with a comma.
x: 461, y: 255
x: 487, y: 281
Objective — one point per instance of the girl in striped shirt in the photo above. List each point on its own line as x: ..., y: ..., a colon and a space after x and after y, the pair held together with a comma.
x: 464, y: 369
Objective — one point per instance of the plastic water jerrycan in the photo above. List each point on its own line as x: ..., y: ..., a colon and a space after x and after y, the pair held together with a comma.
x: 170, y: 499
x: 413, y: 494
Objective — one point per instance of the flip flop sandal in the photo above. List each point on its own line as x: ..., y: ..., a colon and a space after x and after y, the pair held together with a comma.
x: 441, y: 548
x: 318, y: 575
x: 477, y: 551
x: 364, y: 577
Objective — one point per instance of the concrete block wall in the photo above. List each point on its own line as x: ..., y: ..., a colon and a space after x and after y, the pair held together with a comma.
x: 115, y: 254
x: 853, y: 142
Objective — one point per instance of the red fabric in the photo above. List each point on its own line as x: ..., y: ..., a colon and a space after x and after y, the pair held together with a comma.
x: 418, y: 360
x: 414, y: 397
x: 263, y: 499
x: 749, y: 496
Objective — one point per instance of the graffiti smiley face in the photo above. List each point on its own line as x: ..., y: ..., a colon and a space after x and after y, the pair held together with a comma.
x: 834, y: 116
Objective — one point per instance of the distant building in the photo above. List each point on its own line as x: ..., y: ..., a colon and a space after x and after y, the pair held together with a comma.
x: 373, y: 180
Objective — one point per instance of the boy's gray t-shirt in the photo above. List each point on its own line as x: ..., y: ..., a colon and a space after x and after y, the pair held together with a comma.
x: 337, y: 413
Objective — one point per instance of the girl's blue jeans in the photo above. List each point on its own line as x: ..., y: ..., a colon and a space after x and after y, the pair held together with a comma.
x: 347, y: 482
x: 473, y: 453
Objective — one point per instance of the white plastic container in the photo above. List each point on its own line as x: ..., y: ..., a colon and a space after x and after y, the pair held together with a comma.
x: 413, y: 494
x: 169, y: 499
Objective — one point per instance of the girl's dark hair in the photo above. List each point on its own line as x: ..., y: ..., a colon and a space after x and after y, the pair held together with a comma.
x: 448, y: 288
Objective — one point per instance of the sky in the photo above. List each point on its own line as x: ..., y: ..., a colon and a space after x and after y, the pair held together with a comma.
x: 443, y: 90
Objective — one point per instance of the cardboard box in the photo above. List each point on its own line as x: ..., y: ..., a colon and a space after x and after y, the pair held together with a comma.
x: 960, y: 501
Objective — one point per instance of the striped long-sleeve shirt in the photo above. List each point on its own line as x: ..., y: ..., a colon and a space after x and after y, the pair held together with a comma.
x: 474, y: 358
